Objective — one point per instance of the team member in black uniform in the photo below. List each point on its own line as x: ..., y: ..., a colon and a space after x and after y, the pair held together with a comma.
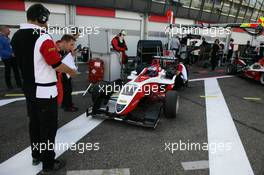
x: 214, y: 54
x: 39, y: 60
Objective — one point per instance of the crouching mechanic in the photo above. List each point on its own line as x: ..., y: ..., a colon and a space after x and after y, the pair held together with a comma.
x: 181, y: 79
x: 39, y: 60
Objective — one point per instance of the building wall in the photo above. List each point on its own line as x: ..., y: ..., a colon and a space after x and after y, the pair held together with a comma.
x: 13, y: 16
x: 131, y: 22
x: 241, y: 38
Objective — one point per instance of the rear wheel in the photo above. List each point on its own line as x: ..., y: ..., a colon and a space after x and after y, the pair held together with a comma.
x: 262, y: 79
x: 171, y: 104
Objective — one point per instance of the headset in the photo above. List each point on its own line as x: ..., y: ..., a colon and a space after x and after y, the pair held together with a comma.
x: 43, y: 15
x: 122, y: 32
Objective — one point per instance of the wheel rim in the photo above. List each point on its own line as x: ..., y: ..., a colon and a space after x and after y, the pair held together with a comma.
x: 262, y: 78
x: 177, y: 105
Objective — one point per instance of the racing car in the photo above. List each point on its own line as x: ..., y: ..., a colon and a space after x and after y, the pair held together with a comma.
x: 247, y: 68
x: 148, y: 92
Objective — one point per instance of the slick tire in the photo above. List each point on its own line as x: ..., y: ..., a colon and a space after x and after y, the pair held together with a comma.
x: 171, y: 104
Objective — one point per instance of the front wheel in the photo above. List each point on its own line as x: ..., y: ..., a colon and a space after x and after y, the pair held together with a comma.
x: 171, y: 104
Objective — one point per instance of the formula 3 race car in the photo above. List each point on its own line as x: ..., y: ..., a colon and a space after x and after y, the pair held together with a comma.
x: 140, y: 101
x: 247, y: 69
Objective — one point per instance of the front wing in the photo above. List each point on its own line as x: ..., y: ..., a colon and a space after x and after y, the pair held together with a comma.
x: 143, y: 115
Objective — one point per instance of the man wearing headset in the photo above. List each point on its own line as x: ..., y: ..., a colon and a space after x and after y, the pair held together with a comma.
x: 39, y: 60
x: 119, y: 45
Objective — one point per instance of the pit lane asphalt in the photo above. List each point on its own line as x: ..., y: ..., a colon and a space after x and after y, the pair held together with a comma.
x: 143, y: 150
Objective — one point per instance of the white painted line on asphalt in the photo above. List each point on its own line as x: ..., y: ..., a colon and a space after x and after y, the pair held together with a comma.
x: 81, y: 92
x: 195, y: 165
x: 68, y: 134
x: 202, y: 96
x: 77, y: 92
x: 227, y: 155
x: 217, y: 77
x: 15, y: 95
x: 252, y: 98
x: 7, y: 101
x: 21, y: 94
x: 122, y: 171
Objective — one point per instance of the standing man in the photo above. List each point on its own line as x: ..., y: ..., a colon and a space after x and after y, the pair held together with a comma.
x: 8, y: 58
x: 230, y: 50
x: 261, y: 51
x: 202, y: 49
x: 39, y: 60
x: 119, y: 45
x: 175, y: 45
x: 248, y: 49
x: 192, y: 52
x: 215, y: 54
x: 66, y: 45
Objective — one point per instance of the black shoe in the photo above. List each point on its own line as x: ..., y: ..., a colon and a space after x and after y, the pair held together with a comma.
x: 58, y: 164
x: 35, y: 162
x: 71, y: 109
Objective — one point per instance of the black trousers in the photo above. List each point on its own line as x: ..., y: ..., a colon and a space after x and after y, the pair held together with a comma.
x: 214, y: 61
x: 43, y: 121
x: 178, y: 83
x: 229, y: 55
x: 176, y: 52
x: 11, y: 63
x: 67, y: 91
